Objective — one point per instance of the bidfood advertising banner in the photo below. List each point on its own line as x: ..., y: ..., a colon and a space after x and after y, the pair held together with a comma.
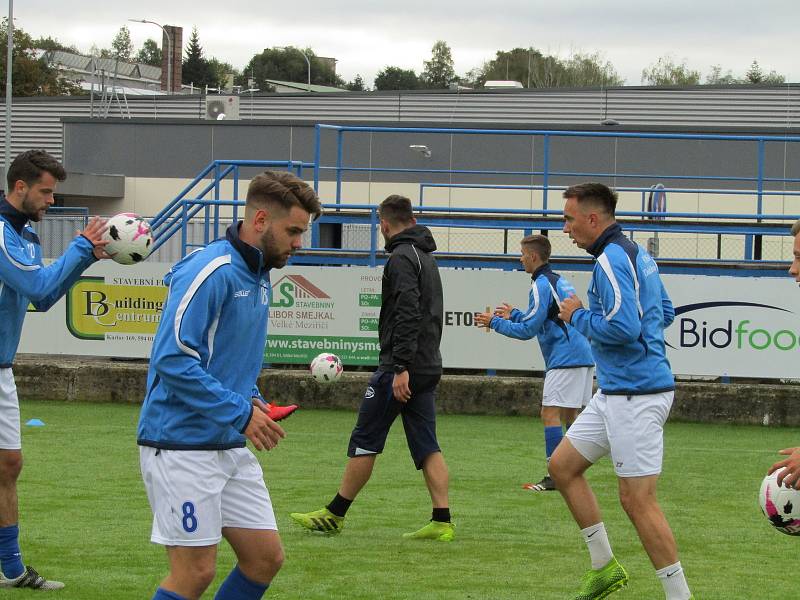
x: 735, y: 326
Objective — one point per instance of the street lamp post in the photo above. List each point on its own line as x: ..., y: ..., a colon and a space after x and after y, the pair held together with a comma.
x: 9, y: 67
x: 308, y: 62
x: 169, y: 50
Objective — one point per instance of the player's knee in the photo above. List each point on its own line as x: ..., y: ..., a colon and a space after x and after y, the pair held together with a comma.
x: 203, y: 575
x: 635, y: 501
x: 266, y: 566
x: 10, y: 466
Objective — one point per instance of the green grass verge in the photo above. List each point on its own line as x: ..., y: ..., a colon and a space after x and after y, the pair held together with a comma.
x: 85, y: 518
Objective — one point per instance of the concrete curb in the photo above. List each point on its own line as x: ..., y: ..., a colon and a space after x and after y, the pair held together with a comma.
x: 71, y: 379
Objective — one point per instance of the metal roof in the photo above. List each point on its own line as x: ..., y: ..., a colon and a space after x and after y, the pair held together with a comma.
x: 37, y: 121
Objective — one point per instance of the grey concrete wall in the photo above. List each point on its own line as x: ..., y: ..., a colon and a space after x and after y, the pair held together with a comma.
x: 96, y: 380
x: 180, y: 149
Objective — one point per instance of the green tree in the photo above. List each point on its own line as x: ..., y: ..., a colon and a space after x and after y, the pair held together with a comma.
x: 395, y: 78
x: 287, y: 64
x: 222, y: 70
x: 666, y: 72
x: 150, y: 53
x: 48, y: 43
x: 438, y: 72
x: 357, y: 84
x: 31, y: 76
x: 536, y: 70
x: 121, y: 45
x: 756, y: 76
x: 715, y: 77
x: 196, y: 69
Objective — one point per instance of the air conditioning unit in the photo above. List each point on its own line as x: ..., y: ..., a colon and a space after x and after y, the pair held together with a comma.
x: 222, y: 107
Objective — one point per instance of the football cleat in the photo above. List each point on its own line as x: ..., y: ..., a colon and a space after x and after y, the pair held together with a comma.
x: 321, y: 520
x: 599, y: 583
x: 545, y: 485
x: 30, y: 579
x: 435, y: 530
x: 278, y: 413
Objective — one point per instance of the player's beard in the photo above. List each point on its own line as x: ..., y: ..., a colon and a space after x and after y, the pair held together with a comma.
x: 273, y: 258
x: 30, y: 211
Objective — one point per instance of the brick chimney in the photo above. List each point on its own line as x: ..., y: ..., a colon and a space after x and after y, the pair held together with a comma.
x: 172, y: 48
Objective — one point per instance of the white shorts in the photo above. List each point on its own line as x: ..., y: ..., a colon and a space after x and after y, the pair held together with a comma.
x: 10, y: 438
x: 631, y: 428
x: 568, y: 388
x: 195, y: 493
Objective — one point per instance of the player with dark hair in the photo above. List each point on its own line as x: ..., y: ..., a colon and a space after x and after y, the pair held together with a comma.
x: 410, y: 366
x: 625, y: 321
x: 202, y: 482
x: 32, y: 179
x: 567, y: 355
x: 790, y: 466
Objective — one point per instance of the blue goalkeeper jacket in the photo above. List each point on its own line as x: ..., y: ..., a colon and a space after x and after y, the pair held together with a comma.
x: 24, y: 279
x: 208, y: 349
x: 562, y: 346
x: 628, y: 312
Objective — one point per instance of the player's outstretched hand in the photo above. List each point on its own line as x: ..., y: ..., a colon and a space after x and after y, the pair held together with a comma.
x: 569, y: 306
x: 503, y: 311
x: 402, y: 392
x: 482, y: 319
x: 94, y: 233
x: 791, y: 467
x: 263, y: 431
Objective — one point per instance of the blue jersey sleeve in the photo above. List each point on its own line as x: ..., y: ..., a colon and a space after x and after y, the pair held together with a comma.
x: 620, y: 321
x: 529, y: 324
x: 666, y: 303
x: 183, y: 353
x: 41, y: 285
x: 516, y: 315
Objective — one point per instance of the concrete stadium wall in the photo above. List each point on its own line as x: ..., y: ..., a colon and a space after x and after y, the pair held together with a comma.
x: 96, y: 380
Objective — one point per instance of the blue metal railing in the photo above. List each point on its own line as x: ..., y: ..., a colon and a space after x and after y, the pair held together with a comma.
x: 174, y: 217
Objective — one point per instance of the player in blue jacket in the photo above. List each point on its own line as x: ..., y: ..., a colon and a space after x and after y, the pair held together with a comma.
x: 567, y: 355
x: 625, y: 320
x: 32, y: 179
x: 203, y: 484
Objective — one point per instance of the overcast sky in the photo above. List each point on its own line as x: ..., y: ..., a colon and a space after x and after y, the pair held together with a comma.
x: 366, y: 36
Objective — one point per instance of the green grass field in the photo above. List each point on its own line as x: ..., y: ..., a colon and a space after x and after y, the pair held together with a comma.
x: 85, y: 518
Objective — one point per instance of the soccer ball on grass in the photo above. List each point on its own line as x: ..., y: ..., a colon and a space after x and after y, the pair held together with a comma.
x: 129, y: 238
x: 326, y: 368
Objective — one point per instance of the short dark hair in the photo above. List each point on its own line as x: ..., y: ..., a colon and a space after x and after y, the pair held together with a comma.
x: 283, y: 189
x: 539, y: 244
x: 30, y: 165
x: 596, y: 194
x: 397, y: 210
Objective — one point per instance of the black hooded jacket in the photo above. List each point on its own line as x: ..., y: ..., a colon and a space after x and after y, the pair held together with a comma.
x: 412, y: 305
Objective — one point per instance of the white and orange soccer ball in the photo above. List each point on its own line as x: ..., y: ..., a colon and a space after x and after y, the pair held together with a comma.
x: 781, y: 505
x: 326, y: 368
x: 129, y: 238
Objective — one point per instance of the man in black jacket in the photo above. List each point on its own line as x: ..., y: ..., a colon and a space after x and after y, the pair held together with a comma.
x: 409, y: 370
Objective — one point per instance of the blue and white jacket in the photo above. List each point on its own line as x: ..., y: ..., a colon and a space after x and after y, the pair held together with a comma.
x: 208, y: 349
x: 628, y: 311
x: 24, y: 279
x: 562, y: 346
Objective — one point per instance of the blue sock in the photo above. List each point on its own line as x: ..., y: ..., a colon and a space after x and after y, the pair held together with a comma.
x: 10, y: 556
x: 238, y: 587
x: 162, y: 594
x: 552, y: 437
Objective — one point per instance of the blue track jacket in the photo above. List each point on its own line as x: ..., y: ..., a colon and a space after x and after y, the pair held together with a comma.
x: 25, y: 279
x: 208, y: 350
x: 628, y: 311
x: 562, y: 346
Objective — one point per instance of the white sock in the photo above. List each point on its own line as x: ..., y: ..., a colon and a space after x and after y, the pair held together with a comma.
x: 674, y: 581
x: 596, y: 540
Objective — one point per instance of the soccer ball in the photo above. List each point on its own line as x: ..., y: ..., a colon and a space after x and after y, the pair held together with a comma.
x: 781, y: 505
x: 326, y: 368
x: 129, y: 238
